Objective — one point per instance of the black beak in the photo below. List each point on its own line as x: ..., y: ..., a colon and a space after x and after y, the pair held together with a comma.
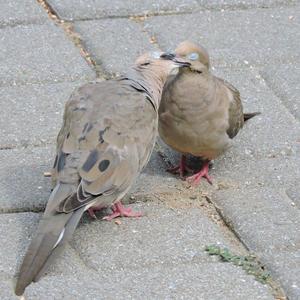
x: 178, y: 60
x: 168, y: 55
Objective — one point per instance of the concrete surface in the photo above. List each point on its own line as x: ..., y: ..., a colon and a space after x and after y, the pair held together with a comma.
x: 273, y: 33
x: 16, y: 12
x: 39, y: 54
x: 110, y: 261
x: 85, y: 10
x: 254, y: 45
x: 114, y: 43
x: 36, y: 101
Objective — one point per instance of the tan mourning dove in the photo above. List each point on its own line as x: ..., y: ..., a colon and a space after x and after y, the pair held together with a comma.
x: 199, y: 112
x: 107, y: 137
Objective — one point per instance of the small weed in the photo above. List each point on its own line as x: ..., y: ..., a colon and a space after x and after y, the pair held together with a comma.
x: 248, y: 263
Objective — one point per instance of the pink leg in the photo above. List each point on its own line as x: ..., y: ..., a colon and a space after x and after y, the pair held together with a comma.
x: 195, y: 179
x: 92, y: 210
x: 181, y: 168
x: 121, y: 211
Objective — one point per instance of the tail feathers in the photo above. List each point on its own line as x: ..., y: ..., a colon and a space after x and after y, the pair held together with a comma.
x: 53, y: 231
x: 248, y: 116
x: 40, y: 249
x: 67, y: 235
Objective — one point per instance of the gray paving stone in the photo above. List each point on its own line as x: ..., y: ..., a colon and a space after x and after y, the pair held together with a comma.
x: 284, y: 81
x: 205, y: 281
x: 274, y: 133
x: 230, y: 4
x: 6, y: 290
x: 81, y: 9
x: 293, y: 191
x: 158, y: 256
x: 33, y: 113
x: 39, y: 54
x: 286, y: 267
x: 20, y: 228
x: 180, y: 236
x: 263, y: 218
x: 114, y: 43
x: 234, y: 38
x: 23, y: 185
x: 21, y: 12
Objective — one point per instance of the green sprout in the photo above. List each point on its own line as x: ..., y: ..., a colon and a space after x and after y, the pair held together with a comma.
x: 248, y: 263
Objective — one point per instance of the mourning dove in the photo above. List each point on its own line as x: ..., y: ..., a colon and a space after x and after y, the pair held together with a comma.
x: 107, y: 137
x: 199, y: 112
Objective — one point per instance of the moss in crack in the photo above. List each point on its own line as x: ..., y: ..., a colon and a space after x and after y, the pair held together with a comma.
x: 248, y: 263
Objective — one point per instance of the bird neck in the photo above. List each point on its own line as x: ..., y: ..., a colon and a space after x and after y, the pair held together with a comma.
x: 152, y: 79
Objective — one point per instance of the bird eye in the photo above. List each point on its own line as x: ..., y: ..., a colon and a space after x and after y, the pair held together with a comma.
x: 145, y: 63
x: 193, y: 56
x: 155, y: 55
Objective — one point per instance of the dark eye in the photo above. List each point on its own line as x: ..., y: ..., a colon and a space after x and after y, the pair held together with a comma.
x: 145, y: 64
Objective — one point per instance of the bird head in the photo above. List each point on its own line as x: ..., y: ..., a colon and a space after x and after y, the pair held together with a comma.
x: 166, y: 61
x: 195, y: 54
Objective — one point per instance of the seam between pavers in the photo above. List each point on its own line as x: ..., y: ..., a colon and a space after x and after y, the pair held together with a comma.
x: 22, y: 23
x: 275, y: 285
x: 243, y: 6
x: 71, y: 34
x: 199, y: 8
x: 140, y: 22
x: 21, y: 146
x: 22, y: 210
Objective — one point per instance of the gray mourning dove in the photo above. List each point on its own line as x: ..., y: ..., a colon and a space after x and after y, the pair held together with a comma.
x: 107, y: 137
x: 199, y: 112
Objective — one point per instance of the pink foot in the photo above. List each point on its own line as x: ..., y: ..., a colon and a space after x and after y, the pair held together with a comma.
x: 195, y: 179
x: 92, y: 210
x: 181, y: 168
x: 121, y: 211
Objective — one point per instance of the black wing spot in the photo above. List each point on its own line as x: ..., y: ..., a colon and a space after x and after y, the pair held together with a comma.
x: 55, y: 161
x: 61, y: 161
x: 90, y: 127
x: 101, y: 133
x: 103, y: 165
x: 85, y: 127
x: 82, y: 138
x: 90, y: 162
x: 68, y: 135
x: 79, y: 108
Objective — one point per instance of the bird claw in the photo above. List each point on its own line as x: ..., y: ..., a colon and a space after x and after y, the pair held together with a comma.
x: 92, y: 210
x: 121, y: 211
x: 181, y: 168
x: 92, y: 213
x: 195, y: 179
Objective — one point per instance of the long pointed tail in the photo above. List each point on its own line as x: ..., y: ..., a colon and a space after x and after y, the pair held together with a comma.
x: 53, y: 232
x: 248, y: 116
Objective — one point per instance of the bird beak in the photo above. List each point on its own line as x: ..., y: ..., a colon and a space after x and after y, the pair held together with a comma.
x: 180, y: 62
